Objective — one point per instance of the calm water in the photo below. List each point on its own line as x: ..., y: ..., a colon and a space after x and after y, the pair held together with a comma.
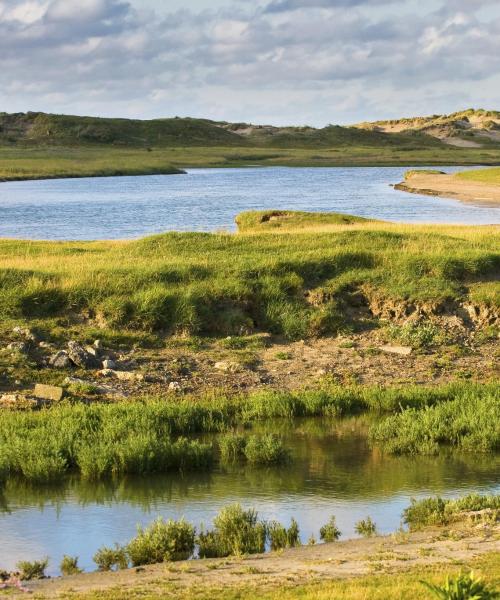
x: 209, y: 199
x: 333, y: 472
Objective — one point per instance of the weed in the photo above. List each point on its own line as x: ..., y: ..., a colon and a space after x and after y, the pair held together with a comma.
x: 32, y: 569
x: 366, y: 527
x: 162, y: 541
x: 463, y: 587
x: 280, y: 537
x: 108, y: 559
x: 69, y: 565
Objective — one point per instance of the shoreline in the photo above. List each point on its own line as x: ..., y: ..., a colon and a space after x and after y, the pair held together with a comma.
x: 440, y: 549
x: 449, y: 186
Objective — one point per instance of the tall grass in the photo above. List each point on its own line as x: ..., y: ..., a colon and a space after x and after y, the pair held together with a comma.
x: 469, y: 422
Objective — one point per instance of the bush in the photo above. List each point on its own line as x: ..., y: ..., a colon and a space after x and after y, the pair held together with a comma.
x: 232, y: 447
x: 32, y: 570
x: 236, y: 532
x: 463, y: 587
x: 330, y: 532
x: 280, y: 537
x: 69, y: 565
x: 107, y: 559
x: 162, y: 541
x: 366, y: 527
x: 417, y: 335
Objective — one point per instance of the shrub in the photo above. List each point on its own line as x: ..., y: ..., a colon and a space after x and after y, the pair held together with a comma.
x: 32, y: 570
x: 463, y: 587
x: 162, y: 541
x: 330, y: 532
x: 281, y: 537
x: 417, y: 335
x: 366, y: 527
x: 107, y: 559
x: 236, y: 532
x: 69, y: 565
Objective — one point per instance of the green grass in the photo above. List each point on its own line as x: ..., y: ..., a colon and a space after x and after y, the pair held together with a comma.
x: 437, y: 511
x: 303, y: 282
x: 101, y: 440
x: 490, y: 176
x: 469, y: 423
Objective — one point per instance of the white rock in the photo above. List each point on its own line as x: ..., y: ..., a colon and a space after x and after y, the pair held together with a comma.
x: 400, y: 350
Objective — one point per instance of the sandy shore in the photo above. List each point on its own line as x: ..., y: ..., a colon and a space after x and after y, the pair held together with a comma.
x: 352, y: 558
x: 450, y: 186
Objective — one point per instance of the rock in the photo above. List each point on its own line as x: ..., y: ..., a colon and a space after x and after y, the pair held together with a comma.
x: 46, y: 345
x: 17, y: 401
x: 92, y: 351
x: 122, y: 375
x: 21, y: 347
x: 27, y: 334
x: 174, y: 386
x: 80, y: 357
x: 400, y: 350
x: 228, y: 366
x: 98, y: 344
x: 60, y: 360
x: 106, y: 373
x: 48, y: 392
x: 108, y: 364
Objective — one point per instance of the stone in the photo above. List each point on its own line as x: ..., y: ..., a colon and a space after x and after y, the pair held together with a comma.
x: 80, y: 357
x: 25, y: 333
x: 48, y: 392
x: 98, y: 344
x: 228, y: 366
x: 60, y: 360
x: 92, y: 351
x: 17, y: 401
x: 174, y: 386
x: 45, y: 345
x: 399, y: 350
x: 21, y: 347
x: 108, y: 364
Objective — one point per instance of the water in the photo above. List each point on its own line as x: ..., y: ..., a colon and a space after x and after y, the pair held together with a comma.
x: 209, y: 199
x: 333, y: 472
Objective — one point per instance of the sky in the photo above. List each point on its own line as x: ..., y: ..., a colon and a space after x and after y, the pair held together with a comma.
x: 280, y: 62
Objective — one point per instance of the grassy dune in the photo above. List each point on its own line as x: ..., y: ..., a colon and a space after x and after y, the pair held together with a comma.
x: 275, y: 276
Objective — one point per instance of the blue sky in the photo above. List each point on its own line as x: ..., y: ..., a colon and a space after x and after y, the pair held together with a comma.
x: 268, y: 61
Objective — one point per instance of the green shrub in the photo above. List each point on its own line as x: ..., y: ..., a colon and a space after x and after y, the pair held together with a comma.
x: 280, y: 537
x: 330, y: 532
x: 463, y: 587
x: 232, y: 446
x: 236, y: 532
x: 162, y: 541
x: 69, y: 565
x: 108, y: 559
x: 417, y: 335
x: 32, y: 569
x: 366, y: 527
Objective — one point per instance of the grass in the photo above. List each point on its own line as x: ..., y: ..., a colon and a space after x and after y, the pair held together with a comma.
x: 330, y: 532
x: 140, y: 437
x: 490, y: 176
x: 29, y: 570
x: 366, y: 527
x: 467, y: 423
x: 303, y: 282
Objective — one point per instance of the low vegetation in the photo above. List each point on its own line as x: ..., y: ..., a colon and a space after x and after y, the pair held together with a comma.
x: 464, y: 587
x: 69, y: 565
x: 468, y: 423
x: 330, y: 532
x: 29, y: 570
x: 102, y: 440
x: 366, y: 527
x: 306, y: 282
x: 489, y: 176
x: 439, y: 511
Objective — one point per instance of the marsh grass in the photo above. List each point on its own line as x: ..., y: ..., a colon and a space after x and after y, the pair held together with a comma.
x: 156, y: 435
x: 162, y: 541
x: 439, y: 511
x: 280, y: 537
x: 108, y: 559
x: 69, y: 565
x: 366, y: 527
x: 467, y: 422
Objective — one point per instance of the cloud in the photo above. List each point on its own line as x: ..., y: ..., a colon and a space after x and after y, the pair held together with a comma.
x: 291, y: 60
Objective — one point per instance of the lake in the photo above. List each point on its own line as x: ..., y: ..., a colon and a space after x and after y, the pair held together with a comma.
x: 209, y: 199
x: 333, y: 472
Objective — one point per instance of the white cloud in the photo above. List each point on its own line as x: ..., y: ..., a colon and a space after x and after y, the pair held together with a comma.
x: 287, y: 60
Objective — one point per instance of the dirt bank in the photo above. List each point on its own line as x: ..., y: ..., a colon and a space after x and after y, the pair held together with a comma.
x: 450, y: 186
x: 341, y: 560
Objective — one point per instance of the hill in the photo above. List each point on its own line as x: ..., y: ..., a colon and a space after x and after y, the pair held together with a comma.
x: 472, y: 128
x: 41, y: 128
